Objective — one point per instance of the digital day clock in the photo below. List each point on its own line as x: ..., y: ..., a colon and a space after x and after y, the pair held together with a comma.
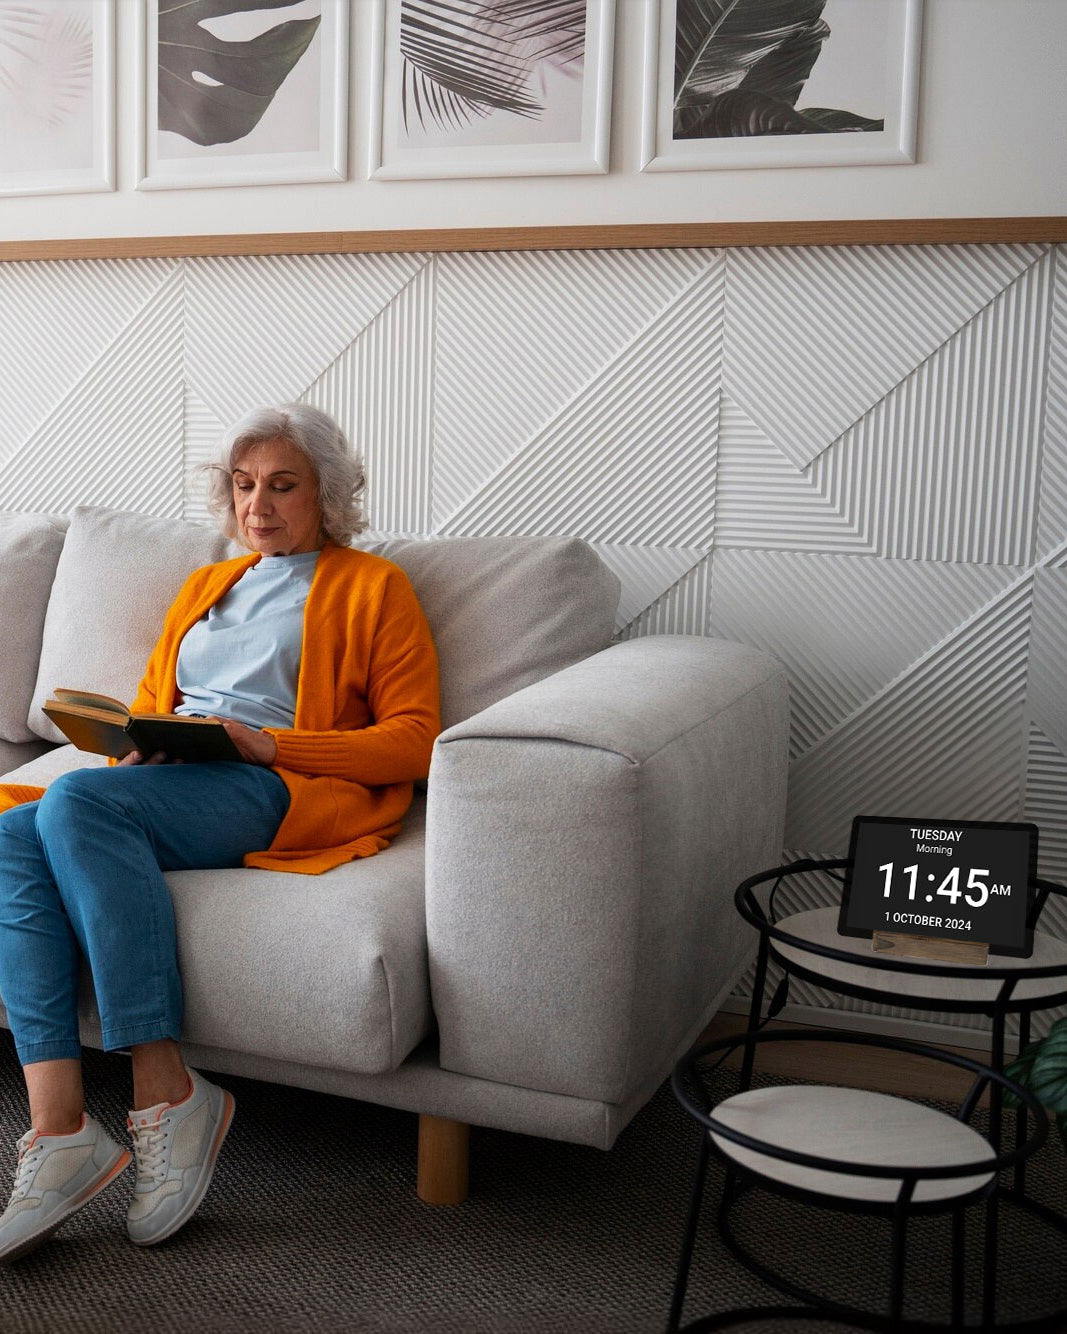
x: 945, y: 879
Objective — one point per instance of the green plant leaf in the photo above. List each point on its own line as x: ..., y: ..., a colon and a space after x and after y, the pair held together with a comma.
x: 1019, y: 1070
x: 741, y: 65
x: 1048, y: 1074
x: 246, y: 75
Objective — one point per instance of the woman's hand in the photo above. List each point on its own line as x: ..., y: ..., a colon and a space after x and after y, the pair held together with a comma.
x: 135, y: 757
x: 255, y: 747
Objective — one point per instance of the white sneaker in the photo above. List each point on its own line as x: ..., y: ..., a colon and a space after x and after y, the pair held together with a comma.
x: 56, y: 1175
x: 176, y: 1145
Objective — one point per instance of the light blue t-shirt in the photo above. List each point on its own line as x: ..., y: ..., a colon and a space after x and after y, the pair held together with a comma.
x: 242, y: 658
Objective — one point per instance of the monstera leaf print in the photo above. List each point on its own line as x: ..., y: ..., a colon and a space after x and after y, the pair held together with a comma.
x: 741, y: 65
x: 244, y: 76
x: 467, y: 58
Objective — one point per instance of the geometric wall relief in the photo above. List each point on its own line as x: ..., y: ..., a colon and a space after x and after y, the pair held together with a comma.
x: 380, y: 391
x: 945, y: 467
x: 1052, y: 523
x: 681, y: 610
x: 944, y: 739
x: 261, y: 328
x: 1046, y: 806
x: 520, y: 334
x: 817, y: 335
x: 646, y: 574
x: 59, y: 317
x: 1046, y: 700
x: 115, y: 438
x: 843, y: 626
x: 630, y: 459
x: 203, y: 435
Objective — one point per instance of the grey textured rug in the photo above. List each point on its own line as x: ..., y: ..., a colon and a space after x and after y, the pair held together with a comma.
x: 312, y: 1224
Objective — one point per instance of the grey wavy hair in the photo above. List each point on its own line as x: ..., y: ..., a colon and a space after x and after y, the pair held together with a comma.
x: 336, y: 464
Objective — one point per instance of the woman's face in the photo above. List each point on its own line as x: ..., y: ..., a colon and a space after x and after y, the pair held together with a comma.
x: 276, y: 500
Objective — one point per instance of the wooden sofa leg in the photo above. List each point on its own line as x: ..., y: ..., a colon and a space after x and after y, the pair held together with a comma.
x: 444, y: 1160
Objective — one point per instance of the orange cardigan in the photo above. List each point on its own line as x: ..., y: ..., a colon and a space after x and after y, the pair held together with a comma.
x: 367, y: 708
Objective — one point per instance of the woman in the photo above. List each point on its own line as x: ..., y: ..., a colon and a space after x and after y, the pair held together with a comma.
x: 319, y: 663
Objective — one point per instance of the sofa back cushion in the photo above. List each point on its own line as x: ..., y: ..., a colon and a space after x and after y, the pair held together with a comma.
x: 505, y: 611
x: 116, y: 577
x: 29, y: 549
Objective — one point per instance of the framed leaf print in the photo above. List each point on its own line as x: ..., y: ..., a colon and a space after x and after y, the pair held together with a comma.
x: 780, y: 83
x: 494, y: 88
x: 242, y: 92
x: 57, y: 96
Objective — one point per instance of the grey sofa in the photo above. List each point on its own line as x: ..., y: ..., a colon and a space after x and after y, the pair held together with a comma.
x: 554, y: 925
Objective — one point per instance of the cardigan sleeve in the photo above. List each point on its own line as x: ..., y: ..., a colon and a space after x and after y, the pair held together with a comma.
x: 402, y: 694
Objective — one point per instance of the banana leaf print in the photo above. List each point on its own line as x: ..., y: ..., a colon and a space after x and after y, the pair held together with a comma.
x: 245, y: 75
x: 464, y: 59
x: 741, y: 65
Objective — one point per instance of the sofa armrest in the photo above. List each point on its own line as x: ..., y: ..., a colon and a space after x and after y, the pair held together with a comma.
x: 584, y: 839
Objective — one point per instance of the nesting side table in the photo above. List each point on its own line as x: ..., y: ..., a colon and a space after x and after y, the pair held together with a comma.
x: 808, y: 945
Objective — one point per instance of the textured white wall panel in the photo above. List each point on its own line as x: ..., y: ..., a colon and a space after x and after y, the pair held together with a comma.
x: 521, y: 335
x: 1047, y: 685
x: 682, y: 610
x: 1046, y: 784
x: 632, y: 458
x: 56, y: 322
x: 260, y: 329
x: 855, y: 458
x: 944, y: 739
x: 646, y: 573
x: 203, y: 436
x: 380, y: 390
x: 844, y: 626
x: 115, y: 439
x: 945, y: 467
x: 1052, y: 526
x: 816, y: 336
x: 763, y: 501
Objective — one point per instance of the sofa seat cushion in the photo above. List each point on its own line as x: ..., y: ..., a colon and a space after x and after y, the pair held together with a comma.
x: 327, y: 970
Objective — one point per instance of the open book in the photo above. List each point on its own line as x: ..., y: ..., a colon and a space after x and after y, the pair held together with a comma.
x: 104, y: 726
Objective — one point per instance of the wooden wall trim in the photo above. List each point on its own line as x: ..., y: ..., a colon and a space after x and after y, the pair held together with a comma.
x: 888, y: 231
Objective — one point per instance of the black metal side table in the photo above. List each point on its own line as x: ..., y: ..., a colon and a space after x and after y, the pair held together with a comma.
x: 808, y: 945
x: 845, y: 1149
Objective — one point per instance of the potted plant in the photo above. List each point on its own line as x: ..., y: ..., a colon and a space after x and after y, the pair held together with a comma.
x: 1042, y: 1068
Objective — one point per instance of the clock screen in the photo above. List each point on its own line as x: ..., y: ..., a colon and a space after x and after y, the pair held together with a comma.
x: 952, y: 879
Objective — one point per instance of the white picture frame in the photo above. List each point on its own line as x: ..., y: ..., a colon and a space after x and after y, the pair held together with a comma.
x: 888, y: 50
x: 302, y: 135
x: 566, y: 130
x: 65, y: 145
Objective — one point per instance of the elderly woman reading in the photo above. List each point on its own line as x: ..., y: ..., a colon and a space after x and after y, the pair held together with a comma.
x: 318, y: 661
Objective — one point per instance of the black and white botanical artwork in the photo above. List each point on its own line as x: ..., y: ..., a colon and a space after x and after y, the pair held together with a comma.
x: 481, y: 72
x: 239, y: 73
x: 46, y: 86
x: 748, y: 67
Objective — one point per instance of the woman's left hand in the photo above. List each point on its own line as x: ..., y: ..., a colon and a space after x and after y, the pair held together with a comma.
x: 255, y: 747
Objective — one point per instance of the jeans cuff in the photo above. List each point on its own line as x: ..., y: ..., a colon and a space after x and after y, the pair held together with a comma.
x: 61, y: 1049
x: 129, y: 1035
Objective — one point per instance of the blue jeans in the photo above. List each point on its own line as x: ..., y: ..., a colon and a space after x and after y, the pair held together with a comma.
x: 81, y: 873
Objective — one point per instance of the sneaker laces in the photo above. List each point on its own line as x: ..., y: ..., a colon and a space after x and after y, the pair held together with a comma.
x: 149, y: 1145
x: 27, y: 1164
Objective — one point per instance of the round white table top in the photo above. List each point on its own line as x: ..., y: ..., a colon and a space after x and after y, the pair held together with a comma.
x: 934, y: 983
x: 852, y: 1126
